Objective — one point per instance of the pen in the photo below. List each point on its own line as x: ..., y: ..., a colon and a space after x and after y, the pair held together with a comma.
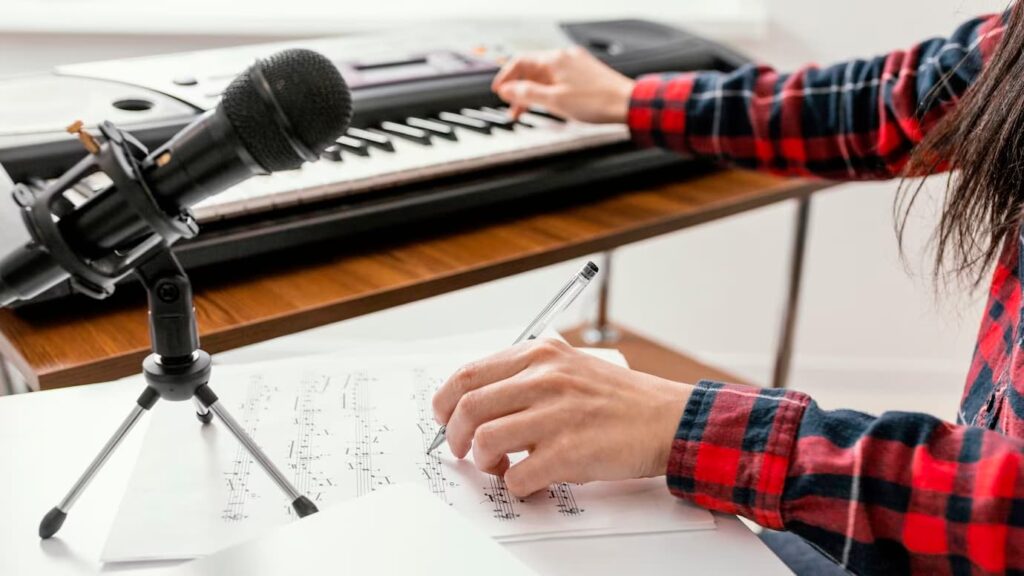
x: 561, y: 301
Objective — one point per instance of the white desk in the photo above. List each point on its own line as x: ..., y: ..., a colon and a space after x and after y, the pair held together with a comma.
x: 47, y: 439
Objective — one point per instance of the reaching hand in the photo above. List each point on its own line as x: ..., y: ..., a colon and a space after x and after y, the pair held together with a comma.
x: 580, y: 418
x: 571, y: 83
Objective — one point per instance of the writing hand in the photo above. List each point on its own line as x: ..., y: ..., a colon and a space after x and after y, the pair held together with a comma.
x: 580, y: 418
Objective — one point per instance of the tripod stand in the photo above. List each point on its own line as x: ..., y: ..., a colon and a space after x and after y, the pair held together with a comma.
x: 177, y: 370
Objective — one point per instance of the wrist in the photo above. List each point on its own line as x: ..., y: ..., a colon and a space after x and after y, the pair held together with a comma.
x: 671, y: 406
x: 622, y: 96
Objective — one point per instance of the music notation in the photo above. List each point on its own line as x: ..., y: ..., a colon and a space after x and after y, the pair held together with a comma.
x: 367, y: 443
x: 339, y: 430
x: 311, y: 440
x: 564, y: 499
x: 502, y: 502
x: 258, y: 394
x: 430, y: 464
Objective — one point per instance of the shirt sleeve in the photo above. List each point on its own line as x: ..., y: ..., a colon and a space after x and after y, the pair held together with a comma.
x: 897, y: 494
x: 853, y: 120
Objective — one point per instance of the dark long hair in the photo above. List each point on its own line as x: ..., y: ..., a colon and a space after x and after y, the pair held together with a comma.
x: 982, y: 140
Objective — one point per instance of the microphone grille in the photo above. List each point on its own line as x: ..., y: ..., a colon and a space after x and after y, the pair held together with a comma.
x: 310, y: 92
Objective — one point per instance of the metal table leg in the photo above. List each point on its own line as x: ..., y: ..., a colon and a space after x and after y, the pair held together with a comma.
x: 6, y: 379
x: 602, y: 332
x: 784, y: 353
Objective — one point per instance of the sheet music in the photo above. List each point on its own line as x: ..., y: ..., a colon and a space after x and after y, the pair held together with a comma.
x: 342, y: 429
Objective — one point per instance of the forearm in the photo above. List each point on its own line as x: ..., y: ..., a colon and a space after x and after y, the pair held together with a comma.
x: 897, y: 493
x: 853, y: 120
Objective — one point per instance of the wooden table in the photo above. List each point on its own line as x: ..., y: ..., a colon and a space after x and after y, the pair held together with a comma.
x: 82, y: 341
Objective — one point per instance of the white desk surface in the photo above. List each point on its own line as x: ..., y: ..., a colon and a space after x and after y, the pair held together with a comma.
x: 48, y: 438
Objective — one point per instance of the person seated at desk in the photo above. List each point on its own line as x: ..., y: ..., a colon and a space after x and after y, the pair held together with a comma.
x: 897, y: 493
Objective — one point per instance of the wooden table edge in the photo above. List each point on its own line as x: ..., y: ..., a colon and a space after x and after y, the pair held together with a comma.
x: 128, y: 362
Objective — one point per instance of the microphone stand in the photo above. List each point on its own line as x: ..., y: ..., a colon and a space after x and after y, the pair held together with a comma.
x: 177, y: 370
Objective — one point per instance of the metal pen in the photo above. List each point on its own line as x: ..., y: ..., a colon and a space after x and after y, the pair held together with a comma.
x: 561, y: 301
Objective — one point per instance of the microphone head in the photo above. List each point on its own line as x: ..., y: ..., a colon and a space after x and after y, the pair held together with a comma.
x: 286, y: 109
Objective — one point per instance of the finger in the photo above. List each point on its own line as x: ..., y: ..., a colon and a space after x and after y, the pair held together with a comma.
x: 509, y: 70
x: 483, y: 405
x: 535, y: 67
x: 526, y: 93
x: 502, y: 466
x: 535, y: 473
x: 494, y: 368
x: 514, y: 112
x: 495, y: 440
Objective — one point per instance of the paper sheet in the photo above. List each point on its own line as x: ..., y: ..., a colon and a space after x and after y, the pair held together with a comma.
x: 342, y: 429
x: 398, y: 530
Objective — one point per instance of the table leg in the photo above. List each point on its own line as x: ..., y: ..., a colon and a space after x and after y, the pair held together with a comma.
x: 602, y: 332
x: 6, y: 379
x: 784, y: 352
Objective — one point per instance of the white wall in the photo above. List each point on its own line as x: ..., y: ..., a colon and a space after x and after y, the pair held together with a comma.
x: 318, y: 17
x: 865, y: 325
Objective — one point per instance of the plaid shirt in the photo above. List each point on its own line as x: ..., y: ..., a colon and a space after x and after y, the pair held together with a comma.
x: 898, y: 493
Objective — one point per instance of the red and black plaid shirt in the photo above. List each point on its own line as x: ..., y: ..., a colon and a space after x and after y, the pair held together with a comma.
x: 898, y: 493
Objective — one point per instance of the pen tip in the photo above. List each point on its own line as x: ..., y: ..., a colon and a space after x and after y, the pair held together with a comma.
x: 590, y: 270
x: 438, y: 440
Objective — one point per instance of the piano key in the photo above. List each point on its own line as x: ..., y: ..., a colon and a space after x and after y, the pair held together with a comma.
x: 332, y: 152
x: 499, y: 120
x: 354, y: 145
x: 546, y: 114
x: 375, y: 139
x: 465, y: 122
x: 410, y: 133
x: 503, y: 111
x: 436, y: 128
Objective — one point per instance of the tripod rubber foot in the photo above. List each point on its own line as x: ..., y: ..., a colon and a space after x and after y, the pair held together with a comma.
x: 205, y: 418
x: 304, y: 506
x: 52, y: 522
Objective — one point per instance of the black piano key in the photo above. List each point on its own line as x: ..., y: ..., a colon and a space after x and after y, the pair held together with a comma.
x: 497, y: 120
x: 504, y: 112
x: 410, y: 133
x: 332, y: 153
x: 461, y: 121
x: 354, y: 145
x: 375, y: 139
x: 434, y: 127
x: 539, y: 112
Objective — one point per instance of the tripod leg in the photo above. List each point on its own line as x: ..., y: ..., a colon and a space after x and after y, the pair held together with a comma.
x: 54, y: 519
x: 202, y: 412
x: 303, y: 506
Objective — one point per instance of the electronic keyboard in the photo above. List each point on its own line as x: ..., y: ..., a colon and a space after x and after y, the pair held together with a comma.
x: 428, y: 141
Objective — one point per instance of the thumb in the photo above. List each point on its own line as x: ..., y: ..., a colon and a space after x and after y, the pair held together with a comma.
x: 525, y: 93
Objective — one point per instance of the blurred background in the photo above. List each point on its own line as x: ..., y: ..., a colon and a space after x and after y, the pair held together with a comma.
x: 872, y: 334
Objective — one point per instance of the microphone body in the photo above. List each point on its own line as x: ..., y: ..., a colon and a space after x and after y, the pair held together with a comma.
x: 281, y: 112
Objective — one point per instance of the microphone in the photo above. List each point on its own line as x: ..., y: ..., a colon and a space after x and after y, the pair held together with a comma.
x: 282, y: 111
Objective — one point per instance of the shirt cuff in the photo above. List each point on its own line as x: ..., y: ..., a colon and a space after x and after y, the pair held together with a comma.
x: 657, y: 109
x: 733, y: 449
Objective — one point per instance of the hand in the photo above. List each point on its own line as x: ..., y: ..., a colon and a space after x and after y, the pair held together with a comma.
x: 580, y: 418
x: 571, y: 83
